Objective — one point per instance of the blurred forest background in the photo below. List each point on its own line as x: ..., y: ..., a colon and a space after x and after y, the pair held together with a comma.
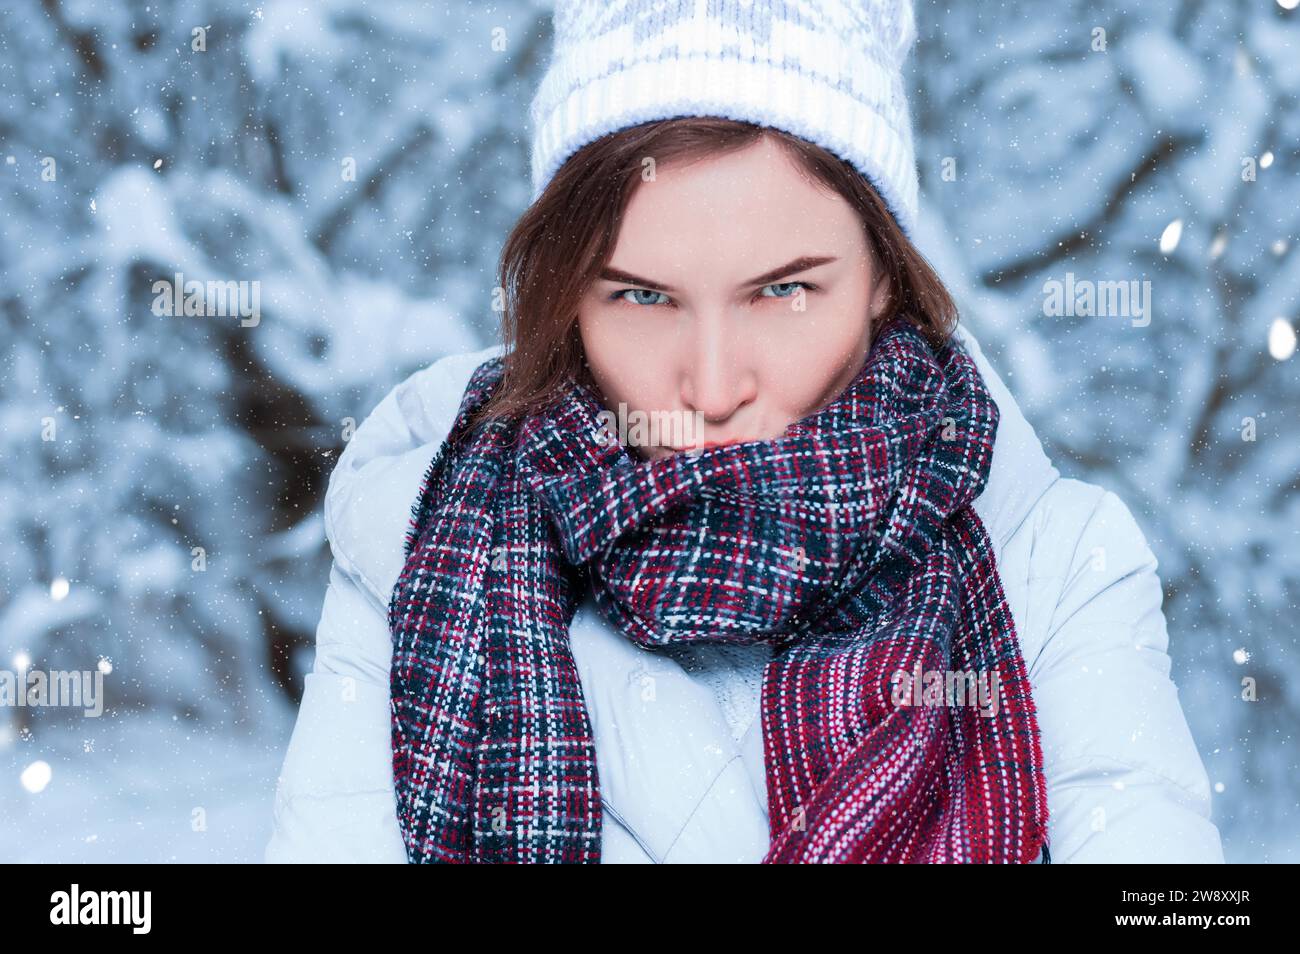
x: 1151, y: 142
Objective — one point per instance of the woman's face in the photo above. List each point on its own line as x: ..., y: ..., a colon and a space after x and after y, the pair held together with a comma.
x: 739, y: 298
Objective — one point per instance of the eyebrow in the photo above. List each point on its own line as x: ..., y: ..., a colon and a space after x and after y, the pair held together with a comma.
x: 800, y: 264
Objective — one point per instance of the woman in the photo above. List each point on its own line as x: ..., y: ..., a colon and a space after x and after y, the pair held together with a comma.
x: 685, y: 568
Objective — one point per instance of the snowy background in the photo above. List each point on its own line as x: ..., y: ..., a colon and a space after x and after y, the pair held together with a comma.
x: 1119, y: 142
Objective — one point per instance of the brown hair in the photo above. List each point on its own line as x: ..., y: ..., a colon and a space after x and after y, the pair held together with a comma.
x: 560, y: 244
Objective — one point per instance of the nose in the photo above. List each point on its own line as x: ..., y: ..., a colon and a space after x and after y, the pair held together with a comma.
x: 717, y: 381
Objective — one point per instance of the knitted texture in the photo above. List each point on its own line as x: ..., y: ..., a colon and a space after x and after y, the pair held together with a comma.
x: 848, y: 543
x: 829, y: 71
x: 733, y: 674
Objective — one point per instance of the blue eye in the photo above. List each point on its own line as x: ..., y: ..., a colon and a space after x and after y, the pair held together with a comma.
x: 618, y: 295
x: 789, y: 285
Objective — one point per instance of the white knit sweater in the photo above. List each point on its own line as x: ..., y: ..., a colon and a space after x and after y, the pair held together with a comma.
x: 733, y: 673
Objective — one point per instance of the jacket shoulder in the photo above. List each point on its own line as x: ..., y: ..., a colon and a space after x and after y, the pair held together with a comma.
x: 371, y: 490
x: 334, y: 798
x: 1125, y: 778
x: 1078, y: 541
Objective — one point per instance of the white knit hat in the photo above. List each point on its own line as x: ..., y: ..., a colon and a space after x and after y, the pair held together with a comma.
x: 829, y: 71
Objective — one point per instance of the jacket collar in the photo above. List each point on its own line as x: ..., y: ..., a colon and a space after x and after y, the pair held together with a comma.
x: 1021, y: 471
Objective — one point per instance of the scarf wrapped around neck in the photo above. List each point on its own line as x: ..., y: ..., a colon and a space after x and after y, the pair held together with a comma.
x: 849, y: 543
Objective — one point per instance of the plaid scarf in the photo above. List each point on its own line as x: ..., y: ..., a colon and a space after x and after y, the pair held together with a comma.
x: 849, y: 543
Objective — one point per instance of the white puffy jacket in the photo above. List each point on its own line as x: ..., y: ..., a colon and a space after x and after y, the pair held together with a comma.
x: 1124, y: 779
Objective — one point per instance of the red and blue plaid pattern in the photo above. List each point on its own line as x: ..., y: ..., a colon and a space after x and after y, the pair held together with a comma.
x: 849, y: 543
